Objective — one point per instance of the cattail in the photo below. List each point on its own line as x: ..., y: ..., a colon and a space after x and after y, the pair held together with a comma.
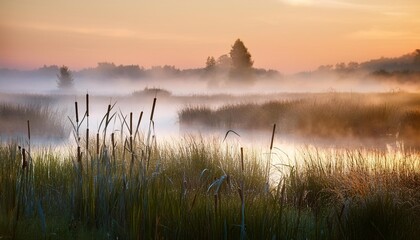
x: 131, y: 124
x: 138, y: 123
x: 87, y: 126
x: 87, y: 104
x: 272, y: 137
x: 107, y: 115
x: 77, y: 112
x: 97, y: 144
x: 113, y: 144
x: 153, y: 109
x: 24, y: 162
x: 79, y: 155
x: 29, y: 131
x: 269, y: 160
x: 87, y: 149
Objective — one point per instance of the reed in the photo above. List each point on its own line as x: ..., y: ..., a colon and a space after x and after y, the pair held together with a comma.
x: 192, y: 190
x: 326, y: 116
x: 45, y: 121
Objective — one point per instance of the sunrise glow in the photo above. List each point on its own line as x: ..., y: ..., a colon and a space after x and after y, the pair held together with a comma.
x: 287, y: 35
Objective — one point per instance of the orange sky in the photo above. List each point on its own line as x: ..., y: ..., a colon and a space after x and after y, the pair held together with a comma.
x: 287, y: 35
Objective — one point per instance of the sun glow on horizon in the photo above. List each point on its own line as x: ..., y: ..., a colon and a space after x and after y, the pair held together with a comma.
x: 286, y: 35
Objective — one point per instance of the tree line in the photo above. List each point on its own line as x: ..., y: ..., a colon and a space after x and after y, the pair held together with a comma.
x: 237, y: 64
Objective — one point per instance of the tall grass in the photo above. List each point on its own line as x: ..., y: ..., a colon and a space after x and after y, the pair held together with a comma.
x: 45, y: 121
x: 334, y: 115
x: 134, y: 187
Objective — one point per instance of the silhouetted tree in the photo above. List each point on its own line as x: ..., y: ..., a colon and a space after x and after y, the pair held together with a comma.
x: 417, y: 56
x: 241, y: 59
x: 65, y: 79
x: 210, y: 63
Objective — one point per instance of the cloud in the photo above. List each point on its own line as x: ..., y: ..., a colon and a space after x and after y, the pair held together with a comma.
x: 378, y: 34
x: 101, y: 32
x: 338, y: 4
x: 323, y: 3
x: 298, y: 2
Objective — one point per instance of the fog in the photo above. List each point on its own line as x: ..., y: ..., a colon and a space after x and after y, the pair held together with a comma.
x: 132, y: 89
x: 199, y: 86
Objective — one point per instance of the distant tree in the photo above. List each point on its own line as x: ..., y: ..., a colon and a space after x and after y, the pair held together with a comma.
x: 241, y: 58
x: 224, y: 62
x: 417, y: 56
x: 325, y: 68
x: 352, y: 66
x: 340, y: 66
x: 210, y: 63
x: 65, y: 79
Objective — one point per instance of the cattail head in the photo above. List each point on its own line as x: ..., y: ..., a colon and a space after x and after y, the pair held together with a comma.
x: 79, y: 154
x: 153, y: 109
x: 272, y: 137
x: 24, y: 162
x: 29, y: 131
x: 107, y: 114
x: 77, y: 111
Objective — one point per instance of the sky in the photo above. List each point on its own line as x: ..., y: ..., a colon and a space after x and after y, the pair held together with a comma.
x: 286, y: 35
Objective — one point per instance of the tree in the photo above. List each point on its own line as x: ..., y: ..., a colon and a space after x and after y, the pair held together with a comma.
x: 241, y: 58
x: 65, y: 79
x: 417, y: 56
x: 340, y: 66
x: 224, y: 62
x: 210, y: 63
x: 353, y: 66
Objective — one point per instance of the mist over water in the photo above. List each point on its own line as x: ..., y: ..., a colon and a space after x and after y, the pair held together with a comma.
x: 176, y: 93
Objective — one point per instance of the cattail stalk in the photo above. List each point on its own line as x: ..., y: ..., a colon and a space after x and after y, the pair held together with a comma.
x: 113, y: 143
x: 106, y: 121
x: 87, y: 105
x: 87, y: 132
x: 148, y: 147
x: 242, y: 159
x: 268, y: 167
x: 131, y: 137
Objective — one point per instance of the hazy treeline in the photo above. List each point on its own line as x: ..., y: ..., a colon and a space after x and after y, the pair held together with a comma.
x: 402, y: 69
x: 107, y: 70
x: 403, y: 65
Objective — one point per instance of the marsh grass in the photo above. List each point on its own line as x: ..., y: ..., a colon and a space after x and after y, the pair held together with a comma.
x: 128, y: 185
x: 329, y: 116
x: 46, y: 121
